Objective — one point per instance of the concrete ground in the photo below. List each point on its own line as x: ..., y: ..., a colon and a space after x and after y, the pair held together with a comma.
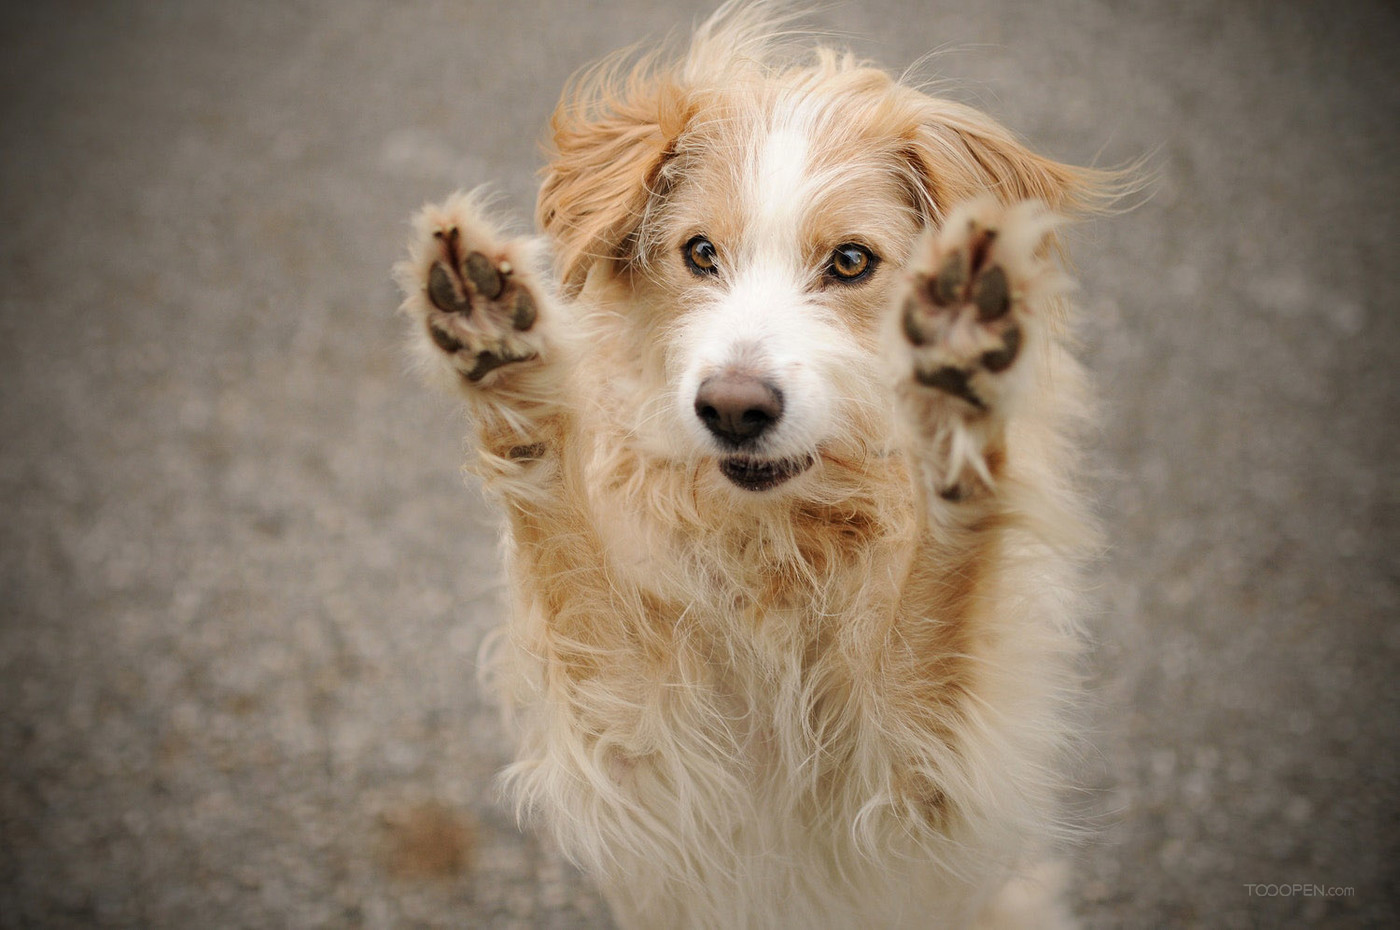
x: 241, y: 584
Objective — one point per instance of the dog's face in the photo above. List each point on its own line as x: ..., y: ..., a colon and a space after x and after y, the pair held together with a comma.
x: 769, y: 247
x: 749, y: 233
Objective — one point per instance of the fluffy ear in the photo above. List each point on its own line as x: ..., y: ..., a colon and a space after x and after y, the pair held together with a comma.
x: 958, y: 153
x: 611, y: 135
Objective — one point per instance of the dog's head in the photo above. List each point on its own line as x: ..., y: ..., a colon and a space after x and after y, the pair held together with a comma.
x: 741, y: 218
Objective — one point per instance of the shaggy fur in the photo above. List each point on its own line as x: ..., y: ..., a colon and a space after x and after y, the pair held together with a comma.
x: 817, y: 677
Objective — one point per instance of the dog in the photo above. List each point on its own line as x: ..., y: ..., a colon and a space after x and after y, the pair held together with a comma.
x: 781, y: 416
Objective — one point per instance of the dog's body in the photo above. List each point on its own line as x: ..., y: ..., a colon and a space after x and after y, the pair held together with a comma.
x: 785, y: 455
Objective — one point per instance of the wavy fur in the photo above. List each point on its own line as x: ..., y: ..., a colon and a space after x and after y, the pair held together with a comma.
x: 842, y: 702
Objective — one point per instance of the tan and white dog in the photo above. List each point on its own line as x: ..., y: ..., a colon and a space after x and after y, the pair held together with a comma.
x: 785, y: 441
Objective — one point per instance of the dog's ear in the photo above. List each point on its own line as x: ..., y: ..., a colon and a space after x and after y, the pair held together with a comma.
x: 612, y: 132
x: 957, y: 153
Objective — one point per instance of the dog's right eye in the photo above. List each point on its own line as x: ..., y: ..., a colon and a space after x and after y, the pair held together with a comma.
x: 701, y: 257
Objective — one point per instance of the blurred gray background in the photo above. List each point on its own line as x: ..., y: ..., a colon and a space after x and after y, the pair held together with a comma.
x: 242, y: 584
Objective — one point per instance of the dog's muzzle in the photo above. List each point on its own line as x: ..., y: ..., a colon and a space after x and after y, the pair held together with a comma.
x: 738, y: 409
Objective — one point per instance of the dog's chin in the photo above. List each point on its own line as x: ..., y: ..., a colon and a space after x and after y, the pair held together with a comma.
x: 760, y: 474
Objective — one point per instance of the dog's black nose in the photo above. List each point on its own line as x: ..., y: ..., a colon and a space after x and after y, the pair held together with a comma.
x: 738, y: 408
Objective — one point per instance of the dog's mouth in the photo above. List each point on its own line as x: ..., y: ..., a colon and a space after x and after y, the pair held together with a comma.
x: 753, y: 474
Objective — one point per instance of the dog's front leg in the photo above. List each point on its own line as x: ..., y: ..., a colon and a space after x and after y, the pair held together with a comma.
x: 974, y: 338
x: 484, y: 324
x: 987, y: 398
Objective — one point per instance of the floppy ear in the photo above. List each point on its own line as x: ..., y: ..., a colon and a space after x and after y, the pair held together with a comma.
x: 958, y: 153
x: 611, y: 135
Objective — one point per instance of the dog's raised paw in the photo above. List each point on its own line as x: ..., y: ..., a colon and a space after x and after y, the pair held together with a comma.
x: 480, y: 311
x: 962, y: 313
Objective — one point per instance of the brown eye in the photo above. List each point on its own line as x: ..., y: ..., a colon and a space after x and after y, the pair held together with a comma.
x: 851, y: 262
x: 701, y: 257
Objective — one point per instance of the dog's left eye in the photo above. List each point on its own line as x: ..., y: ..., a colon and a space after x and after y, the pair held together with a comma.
x: 700, y: 256
x: 851, y: 262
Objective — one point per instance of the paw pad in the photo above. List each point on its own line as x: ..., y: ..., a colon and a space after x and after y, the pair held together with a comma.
x: 949, y: 380
x: 483, y: 275
x: 444, y: 293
